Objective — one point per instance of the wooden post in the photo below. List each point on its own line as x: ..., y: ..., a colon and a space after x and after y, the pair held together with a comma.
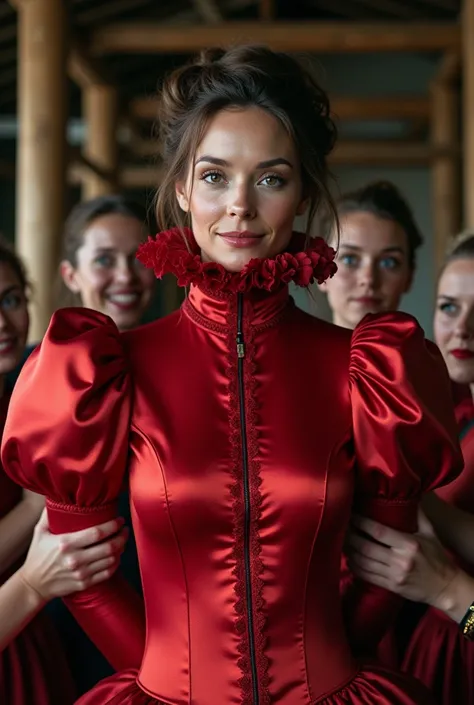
x: 100, y: 112
x: 41, y: 148
x: 468, y: 110
x: 446, y: 170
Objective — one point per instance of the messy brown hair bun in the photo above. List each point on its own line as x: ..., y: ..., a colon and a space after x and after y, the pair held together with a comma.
x: 244, y: 76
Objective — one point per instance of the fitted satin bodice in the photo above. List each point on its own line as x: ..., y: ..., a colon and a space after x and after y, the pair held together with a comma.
x: 247, y: 430
x: 188, y: 494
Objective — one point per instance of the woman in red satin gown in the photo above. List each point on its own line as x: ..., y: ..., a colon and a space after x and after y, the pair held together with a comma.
x: 246, y: 427
x: 437, y: 653
x: 32, y: 667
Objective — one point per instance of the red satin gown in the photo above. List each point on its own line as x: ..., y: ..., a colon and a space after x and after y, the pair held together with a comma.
x: 248, y: 429
x: 437, y: 653
x: 33, y: 670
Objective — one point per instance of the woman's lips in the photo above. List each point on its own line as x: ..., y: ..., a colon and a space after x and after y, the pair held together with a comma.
x: 462, y: 354
x: 367, y: 301
x: 125, y: 300
x: 7, y: 346
x: 241, y: 239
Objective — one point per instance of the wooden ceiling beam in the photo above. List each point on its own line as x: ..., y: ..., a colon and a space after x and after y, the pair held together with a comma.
x: 381, y: 107
x: 318, y: 37
x: 85, y: 70
x: 343, y: 107
x: 80, y: 164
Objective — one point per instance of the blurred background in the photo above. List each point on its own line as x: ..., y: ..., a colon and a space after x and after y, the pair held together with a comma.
x: 78, y: 83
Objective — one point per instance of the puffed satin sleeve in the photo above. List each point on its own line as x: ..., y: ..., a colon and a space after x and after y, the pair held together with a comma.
x: 66, y: 437
x: 405, y: 443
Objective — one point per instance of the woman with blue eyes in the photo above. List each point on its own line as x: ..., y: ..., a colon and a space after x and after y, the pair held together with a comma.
x: 377, y: 253
x: 99, y: 267
x: 439, y: 651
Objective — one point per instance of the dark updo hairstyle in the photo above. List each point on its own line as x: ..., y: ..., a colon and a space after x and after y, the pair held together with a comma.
x: 9, y: 257
x: 84, y: 214
x: 384, y: 200
x: 460, y: 247
x: 243, y: 77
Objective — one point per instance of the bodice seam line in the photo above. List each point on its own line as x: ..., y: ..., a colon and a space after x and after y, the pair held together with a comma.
x: 148, y: 440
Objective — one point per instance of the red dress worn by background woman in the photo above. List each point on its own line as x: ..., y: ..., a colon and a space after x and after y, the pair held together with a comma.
x: 246, y: 428
x: 437, y: 652
x: 33, y: 670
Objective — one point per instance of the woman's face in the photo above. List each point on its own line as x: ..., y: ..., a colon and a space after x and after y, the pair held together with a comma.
x: 373, y: 268
x: 244, y: 189
x: 14, y: 319
x: 107, y: 275
x: 454, y: 319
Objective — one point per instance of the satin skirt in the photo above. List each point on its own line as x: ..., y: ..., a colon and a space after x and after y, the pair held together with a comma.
x: 440, y: 657
x: 33, y: 669
x: 373, y: 685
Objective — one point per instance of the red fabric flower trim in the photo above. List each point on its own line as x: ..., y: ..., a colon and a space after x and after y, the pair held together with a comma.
x: 167, y: 254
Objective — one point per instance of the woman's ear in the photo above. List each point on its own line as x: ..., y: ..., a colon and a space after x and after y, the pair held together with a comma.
x: 181, y: 195
x: 69, y: 276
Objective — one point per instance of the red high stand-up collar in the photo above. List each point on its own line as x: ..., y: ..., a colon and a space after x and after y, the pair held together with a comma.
x: 167, y: 253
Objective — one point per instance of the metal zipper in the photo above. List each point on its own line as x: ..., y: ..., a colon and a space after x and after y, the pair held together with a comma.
x: 243, y: 430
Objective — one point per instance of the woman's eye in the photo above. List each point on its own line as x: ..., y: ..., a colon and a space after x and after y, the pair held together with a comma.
x: 212, y: 177
x: 389, y: 263
x: 348, y: 260
x: 104, y: 261
x: 272, y: 180
x: 449, y: 308
x: 11, y: 301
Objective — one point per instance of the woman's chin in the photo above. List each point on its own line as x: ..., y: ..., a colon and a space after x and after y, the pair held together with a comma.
x: 235, y: 262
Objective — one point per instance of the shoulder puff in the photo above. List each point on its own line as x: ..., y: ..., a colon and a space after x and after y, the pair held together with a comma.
x: 66, y: 435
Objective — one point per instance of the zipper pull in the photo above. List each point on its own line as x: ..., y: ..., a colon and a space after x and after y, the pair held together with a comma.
x: 240, y: 345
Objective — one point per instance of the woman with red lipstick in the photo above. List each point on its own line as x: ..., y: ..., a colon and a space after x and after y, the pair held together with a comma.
x: 377, y: 253
x: 438, y: 653
x: 240, y: 498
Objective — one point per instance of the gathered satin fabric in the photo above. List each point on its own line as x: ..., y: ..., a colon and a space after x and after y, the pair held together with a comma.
x: 33, y: 670
x: 238, y: 581
x: 437, y: 653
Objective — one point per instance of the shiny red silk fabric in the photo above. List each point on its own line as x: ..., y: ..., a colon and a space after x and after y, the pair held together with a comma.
x: 329, y: 420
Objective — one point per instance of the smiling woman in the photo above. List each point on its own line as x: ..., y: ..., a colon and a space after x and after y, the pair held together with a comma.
x: 99, y: 265
x: 242, y: 205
